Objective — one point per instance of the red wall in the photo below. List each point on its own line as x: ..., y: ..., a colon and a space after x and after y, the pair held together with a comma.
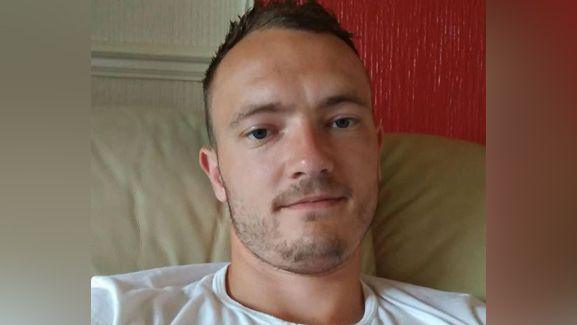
x: 426, y: 59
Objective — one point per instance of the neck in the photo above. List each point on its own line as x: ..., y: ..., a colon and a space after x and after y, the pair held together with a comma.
x: 332, y: 298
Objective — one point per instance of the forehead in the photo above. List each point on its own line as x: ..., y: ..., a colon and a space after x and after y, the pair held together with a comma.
x: 266, y: 48
x: 272, y: 63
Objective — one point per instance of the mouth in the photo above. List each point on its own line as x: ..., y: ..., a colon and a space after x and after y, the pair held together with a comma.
x: 315, y: 202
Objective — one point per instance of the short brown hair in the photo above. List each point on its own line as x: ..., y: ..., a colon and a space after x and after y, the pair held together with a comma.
x: 309, y: 16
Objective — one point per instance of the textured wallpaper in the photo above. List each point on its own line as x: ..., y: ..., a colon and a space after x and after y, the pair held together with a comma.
x: 186, y: 23
x: 426, y: 60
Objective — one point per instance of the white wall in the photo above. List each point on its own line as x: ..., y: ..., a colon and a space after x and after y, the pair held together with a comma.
x: 155, y: 52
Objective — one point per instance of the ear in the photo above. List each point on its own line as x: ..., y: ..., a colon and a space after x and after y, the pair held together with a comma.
x: 209, y: 164
x: 380, y: 135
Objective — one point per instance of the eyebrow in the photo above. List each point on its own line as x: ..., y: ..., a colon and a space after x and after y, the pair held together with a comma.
x: 277, y: 107
x: 251, y: 110
x: 335, y: 100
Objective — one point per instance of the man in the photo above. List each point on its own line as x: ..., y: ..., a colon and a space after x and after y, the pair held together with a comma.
x: 295, y: 155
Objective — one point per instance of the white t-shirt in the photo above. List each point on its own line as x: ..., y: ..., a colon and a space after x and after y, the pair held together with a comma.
x: 196, y: 294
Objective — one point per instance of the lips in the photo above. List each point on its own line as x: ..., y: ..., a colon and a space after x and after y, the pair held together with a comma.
x: 315, y: 201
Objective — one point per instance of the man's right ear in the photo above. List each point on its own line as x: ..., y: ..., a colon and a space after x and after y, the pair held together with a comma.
x: 209, y: 163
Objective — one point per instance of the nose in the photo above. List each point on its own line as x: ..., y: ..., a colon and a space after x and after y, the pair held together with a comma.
x: 309, y: 154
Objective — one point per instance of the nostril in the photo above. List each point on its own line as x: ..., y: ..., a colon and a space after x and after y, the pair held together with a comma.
x: 298, y: 174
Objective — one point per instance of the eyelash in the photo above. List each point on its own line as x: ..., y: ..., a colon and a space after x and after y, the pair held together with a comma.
x: 248, y: 135
x: 352, y: 122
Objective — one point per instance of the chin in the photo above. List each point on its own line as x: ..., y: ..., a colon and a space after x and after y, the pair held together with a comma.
x: 314, y: 268
x: 312, y: 257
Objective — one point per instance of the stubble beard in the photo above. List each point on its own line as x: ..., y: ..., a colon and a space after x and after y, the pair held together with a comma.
x: 307, y: 256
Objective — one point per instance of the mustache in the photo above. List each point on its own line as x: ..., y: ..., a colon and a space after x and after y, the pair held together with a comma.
x: 310, y: 186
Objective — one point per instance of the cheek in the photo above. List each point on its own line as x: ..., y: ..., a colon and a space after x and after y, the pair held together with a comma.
x: 359, y: 162
x: 359, y: 169
x: 249, y: 176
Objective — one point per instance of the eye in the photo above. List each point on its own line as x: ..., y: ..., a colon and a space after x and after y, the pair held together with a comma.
x: 343, y: 123
x: 258, y: 134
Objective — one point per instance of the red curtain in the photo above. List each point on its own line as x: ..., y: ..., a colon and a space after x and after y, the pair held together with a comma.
x: 426, y: 60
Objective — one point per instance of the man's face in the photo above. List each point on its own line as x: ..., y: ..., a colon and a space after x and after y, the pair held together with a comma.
x: 297, y: 150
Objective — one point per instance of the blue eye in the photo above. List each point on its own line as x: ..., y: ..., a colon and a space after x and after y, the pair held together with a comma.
x: 258, y: 134
x: 343, y: 123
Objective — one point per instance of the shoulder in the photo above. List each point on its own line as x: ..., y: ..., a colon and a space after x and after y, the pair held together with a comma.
x: 170, y: 276
x: 453, y: 307
x: 139, y: 297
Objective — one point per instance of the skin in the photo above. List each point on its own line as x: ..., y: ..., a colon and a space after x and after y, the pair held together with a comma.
x: 293, y: 121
